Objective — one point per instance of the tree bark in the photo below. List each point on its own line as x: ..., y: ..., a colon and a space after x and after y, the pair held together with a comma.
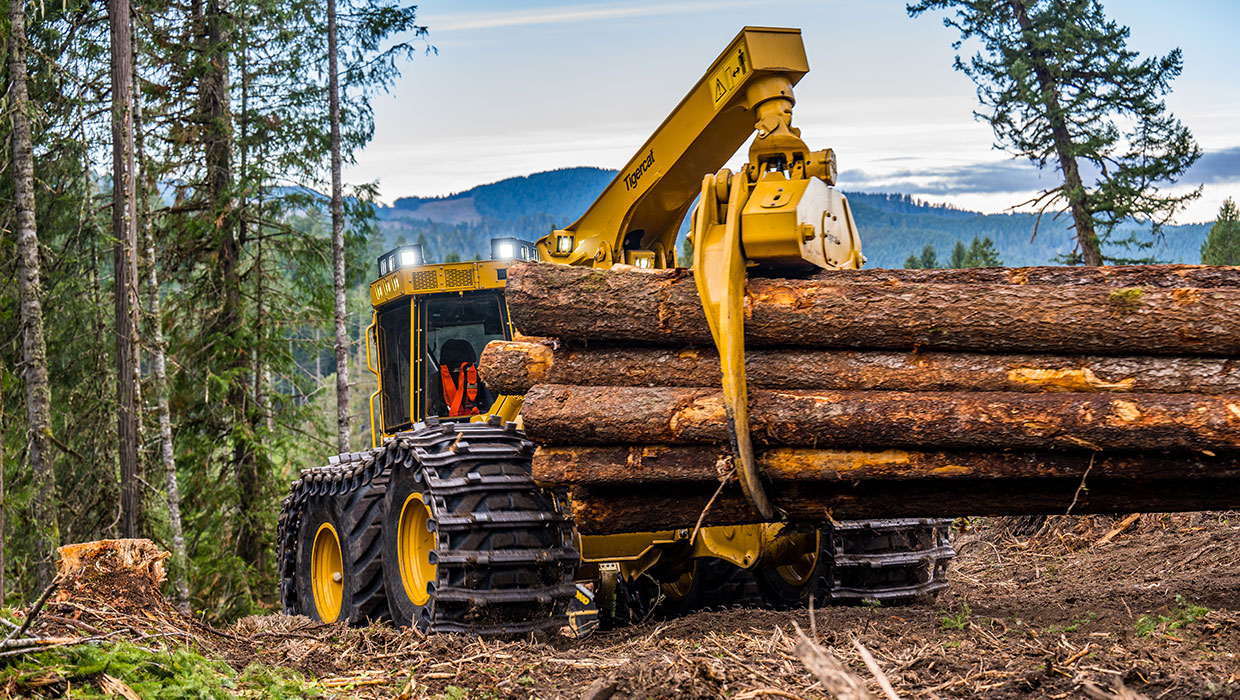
x: 515, y: 367
x: 1073, y: 189
x: 29, y: 289
x: 218, y: 145
x: 124, y: 231
x: 565, y: 414
x: 601, y: 511
x: 662, y: 306
x: 338, y: 263
x: 652, y: 465
x: 1110, y: 276
x: 159, y: 375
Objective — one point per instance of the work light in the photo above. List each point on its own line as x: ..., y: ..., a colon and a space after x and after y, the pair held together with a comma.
x: 513, y: 249
x: 400, y: 257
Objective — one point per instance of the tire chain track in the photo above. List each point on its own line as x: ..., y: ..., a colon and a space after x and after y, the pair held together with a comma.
x: 446, y: 457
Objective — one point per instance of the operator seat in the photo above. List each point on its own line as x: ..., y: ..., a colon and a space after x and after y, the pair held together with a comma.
x: 463, y: 393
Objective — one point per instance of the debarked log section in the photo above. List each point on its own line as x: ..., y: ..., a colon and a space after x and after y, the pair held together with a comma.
x: 606, y: 510
x: 576, y: 465
x: 566, y: 414
x: 662, y: 306
x: 514, y: 367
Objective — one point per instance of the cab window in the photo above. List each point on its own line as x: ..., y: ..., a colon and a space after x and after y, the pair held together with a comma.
x: 457, y: 330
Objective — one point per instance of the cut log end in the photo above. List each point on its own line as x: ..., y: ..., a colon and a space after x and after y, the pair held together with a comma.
x: 132, y: 557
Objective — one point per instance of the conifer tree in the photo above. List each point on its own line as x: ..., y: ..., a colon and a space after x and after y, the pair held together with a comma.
x: 1222, y: 245
x: 960, y: 256
x: 982, y: 253
x: 1058, y: 84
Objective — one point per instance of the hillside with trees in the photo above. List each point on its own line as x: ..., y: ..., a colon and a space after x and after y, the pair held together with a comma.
x: 892, y: 225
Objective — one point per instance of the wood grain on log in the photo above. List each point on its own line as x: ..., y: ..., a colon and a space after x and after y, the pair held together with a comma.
x: 563, y: 414
x: 1111, y: 276
x: 662, y: 306
x: 598, y: 511
x: 511, y: 367
x: 576, y: 465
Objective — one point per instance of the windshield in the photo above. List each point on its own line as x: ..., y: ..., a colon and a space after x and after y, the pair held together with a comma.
x: 457, y: 330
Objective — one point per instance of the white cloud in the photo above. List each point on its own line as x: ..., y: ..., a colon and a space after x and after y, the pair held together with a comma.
x: 589, y: 12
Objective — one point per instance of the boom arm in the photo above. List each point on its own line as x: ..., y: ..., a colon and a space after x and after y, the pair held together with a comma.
x: 636, y: 218
x: 779, y: 211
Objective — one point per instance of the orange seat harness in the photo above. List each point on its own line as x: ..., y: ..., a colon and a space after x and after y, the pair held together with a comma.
x: 462, y: 395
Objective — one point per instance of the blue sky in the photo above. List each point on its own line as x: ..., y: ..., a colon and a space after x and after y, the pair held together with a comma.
x: 522, y: 87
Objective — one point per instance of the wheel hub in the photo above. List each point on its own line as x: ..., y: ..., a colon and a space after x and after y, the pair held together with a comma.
x: 414, y: 543
x: 327, y: 573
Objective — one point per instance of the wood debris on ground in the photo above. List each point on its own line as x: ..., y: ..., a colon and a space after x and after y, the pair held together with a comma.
x: 1042, y: 612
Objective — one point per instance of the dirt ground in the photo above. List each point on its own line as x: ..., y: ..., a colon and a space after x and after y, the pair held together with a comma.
x: 1154, y: 608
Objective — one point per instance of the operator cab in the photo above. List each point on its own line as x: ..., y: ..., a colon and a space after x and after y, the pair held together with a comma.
x: 431, y: 324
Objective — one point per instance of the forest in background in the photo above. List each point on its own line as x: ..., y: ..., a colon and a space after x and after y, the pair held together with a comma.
x: 231, y: 141
x: 892, y: 225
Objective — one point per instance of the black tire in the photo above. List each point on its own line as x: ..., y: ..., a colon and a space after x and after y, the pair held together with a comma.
x: 361, y: 514
x: 707, y: 584
x: 403, y: 611
x: 789, y: 587
x: 504, y: 554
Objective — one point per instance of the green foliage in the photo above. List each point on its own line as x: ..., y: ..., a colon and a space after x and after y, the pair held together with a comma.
x: 1058, y: 85
x: 980, y: 253
x: 1222, y: 246
x: 957, y: 620
x: 170, y: 674
x: 1076, y: 625
x: 891, y: 224
x: 1182, y: 615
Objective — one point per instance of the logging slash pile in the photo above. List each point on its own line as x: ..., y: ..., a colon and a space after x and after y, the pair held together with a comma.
x: 882, y: 393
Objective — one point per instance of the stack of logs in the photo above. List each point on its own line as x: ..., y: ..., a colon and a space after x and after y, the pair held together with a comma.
x: 883, y: 393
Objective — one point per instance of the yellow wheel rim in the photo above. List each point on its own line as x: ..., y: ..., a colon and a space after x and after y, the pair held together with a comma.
x: 678, y: 589
x: 327, y: 573
x: 799, y: 572
x: 414, y: 544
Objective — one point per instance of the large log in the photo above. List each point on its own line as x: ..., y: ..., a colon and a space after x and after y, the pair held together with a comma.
x: 599, y: 511
x: 514, y: 367
x: 1111, y: 276
x: 565, y: 414
x: 662, y: 306
x: 576, y: 465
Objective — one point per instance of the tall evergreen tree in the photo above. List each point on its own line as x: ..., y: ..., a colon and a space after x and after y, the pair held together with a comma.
x: 960, y: 256
x: 929, y: 258
x: 34, y: 349
x: 1222, y: 245
x: 125, y: 269
x: 1058, y: 83
x: 982, y: 253
x: 339, y: 285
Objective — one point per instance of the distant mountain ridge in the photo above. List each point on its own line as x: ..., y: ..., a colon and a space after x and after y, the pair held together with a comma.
x: 891, y: 225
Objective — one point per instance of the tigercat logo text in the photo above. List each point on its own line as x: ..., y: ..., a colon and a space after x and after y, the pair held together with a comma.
x: 631, y: 179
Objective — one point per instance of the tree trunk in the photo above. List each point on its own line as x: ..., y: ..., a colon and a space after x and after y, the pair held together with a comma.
x: 34, y: 351
x: 565, y: 414
x: 219, y: 144
x: 338, y: 266
x: 124, y: 231
x: 172, y: 490
x: 2, y: 495
x: 1073, y: 189
x: 600, y: 511
x: 654, y: 465
x: 515, y: 367
x: 662, y: 306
